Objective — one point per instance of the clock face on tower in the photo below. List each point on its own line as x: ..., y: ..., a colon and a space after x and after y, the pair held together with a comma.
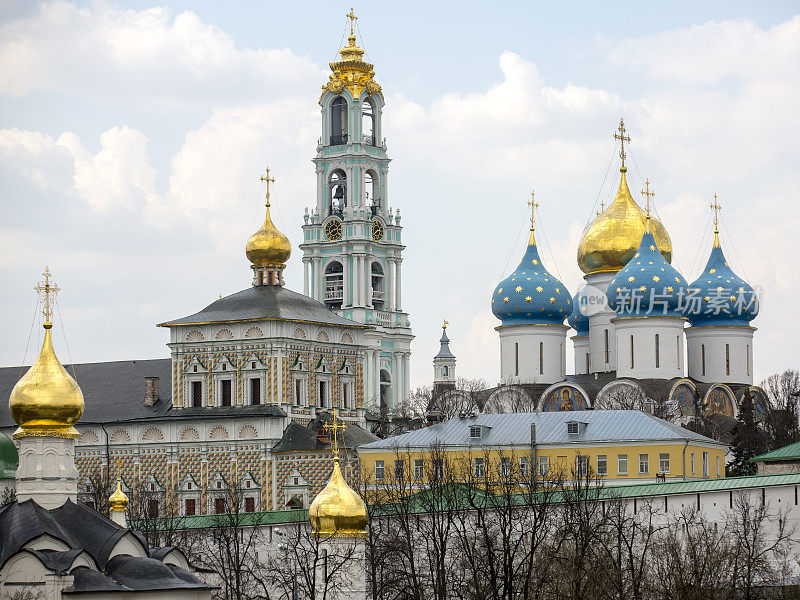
x: 377, y: 230
x: 333, y: 230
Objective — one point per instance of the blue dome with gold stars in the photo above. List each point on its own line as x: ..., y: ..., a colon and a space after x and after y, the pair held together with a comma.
x: 531, y: 295
x: 719, y: 296
x: 648, y: 286
x: 579, y: 320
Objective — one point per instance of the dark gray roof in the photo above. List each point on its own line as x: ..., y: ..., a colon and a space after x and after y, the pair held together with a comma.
x: 114, y: 392
x: 444, y: 349
x: 265, y: 302
x: 300, y: 438
x: 515, y: 429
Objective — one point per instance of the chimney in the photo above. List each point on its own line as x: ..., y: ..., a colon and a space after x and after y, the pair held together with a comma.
x: 150, y: 390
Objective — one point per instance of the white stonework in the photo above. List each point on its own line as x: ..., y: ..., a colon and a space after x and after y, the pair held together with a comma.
x: 602, y: 333
x: 47, y: 472
x: 649, y: 347
x: 581, y: 357
x: 532, y: 353
x: 720, y: 354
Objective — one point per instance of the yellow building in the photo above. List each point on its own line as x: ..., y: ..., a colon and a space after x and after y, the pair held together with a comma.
x: 617, y: 446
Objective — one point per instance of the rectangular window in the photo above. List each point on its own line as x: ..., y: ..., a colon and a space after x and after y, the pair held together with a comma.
x: 644, y: 464
x: 516, y: 358
x: 255, y: 391
x: 323, y: 393
x: 197, y: 394
x: 398, y: 470
x: 703, y: 358
x: 189, y: 507
x: 524, y: 466
x: 718, y: 466
x: 345, y: 395
x: 663, y: 462
x: 478, y: 469
x: 705, y: 464
x: 582, y: 466
x: 607, y: 351
x: 152, y: 508
x: 250, y: 504
x: 573, y: 428
x: 727, y: 359
x: 298, y: 392
x: 419, y: 469
x: 658, y: 352
x: 622, y: 464
x: 219, y: 505
x: 632, y: 363
x: 691, y: 461
x: 379, y: 470
x: 475, y: 431
x: 748, y: 360
x: 505, y: 466
x: 438, y: 469
x: 602, y: 464
x: 544, y: 466
x: 225, y: 392
x: 541, y: 358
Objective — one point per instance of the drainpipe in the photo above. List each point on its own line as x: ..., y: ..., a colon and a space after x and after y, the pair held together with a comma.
x: 534, y: 473
x: 684, y: 459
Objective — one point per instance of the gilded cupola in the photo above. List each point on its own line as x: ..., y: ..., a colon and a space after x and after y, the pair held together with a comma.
x: 338, y: 510
x: 46, y: 401
x: 610, y: 241
x: 352, y: 72
x: 268, y: 249
x: 118, y: 501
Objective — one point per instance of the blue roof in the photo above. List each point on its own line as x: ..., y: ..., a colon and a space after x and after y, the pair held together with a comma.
x: 579, y: 320
x: 514, y: 429
x: 719, y: 296
x: 648, y: 286
x: 531, y: 295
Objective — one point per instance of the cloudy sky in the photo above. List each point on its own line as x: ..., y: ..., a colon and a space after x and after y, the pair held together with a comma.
x: 132, y: 137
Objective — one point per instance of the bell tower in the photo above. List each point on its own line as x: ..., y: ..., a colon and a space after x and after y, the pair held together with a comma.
x: 352, y: 241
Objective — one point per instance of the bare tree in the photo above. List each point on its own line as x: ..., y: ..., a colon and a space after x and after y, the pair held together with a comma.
x: 782, y: 413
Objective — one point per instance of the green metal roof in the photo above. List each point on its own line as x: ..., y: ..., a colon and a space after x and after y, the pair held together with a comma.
x: 9, y: 460
x: 243, y: 519
x: 700, y: 485
x: 790, y: 452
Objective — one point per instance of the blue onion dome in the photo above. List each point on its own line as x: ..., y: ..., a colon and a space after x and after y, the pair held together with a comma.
x: 719, y: 296
x: 579, y: 319
x: 648, y: 286
x: 531, y: 295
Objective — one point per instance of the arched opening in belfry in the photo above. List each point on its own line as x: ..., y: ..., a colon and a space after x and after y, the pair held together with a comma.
x: 337, y: 194
x: 338, y: 121
x: 371, y: 191
x: 334, y: 284
x: 378, y: 285
x: 386, y: 390
x: 367, y: 122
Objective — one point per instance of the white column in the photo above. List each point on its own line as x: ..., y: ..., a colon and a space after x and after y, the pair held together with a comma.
x: 407, y: 374
x: 346, y: 280
x: 368, y: 276
x: 398, y: 284
x: 315, y: 293
x: 362, y: 301
x: 305, y: 276
x: 389, y: 292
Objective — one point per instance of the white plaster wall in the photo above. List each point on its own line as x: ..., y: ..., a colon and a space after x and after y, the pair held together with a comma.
x: 738, y: 339
x: 599, y: 323
x: 644, y: 331
x: 47, y: 471
x: 580, y: 344
x: 528, y: 338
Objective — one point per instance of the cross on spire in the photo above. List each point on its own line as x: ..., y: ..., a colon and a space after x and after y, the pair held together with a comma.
x: 534, y: 205
x: 445, y: 324
x: 602, y: 208
x: 332, y: 429
x: 622, y: 139
x: 49, y: 290
x: 716, y: 208
x: 269, y: 180
x: 648, y: 194
x: 353, y: 18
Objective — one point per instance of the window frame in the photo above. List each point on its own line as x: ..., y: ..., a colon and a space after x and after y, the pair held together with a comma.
x: 581, y: 465
x: 380, y: 470
x: 663, y: 458
x: 479, y: 467
x: 524, y: 466
x: 419, y: 469
x: 644, y: 460
x: 399, y: 468
x: 602, y: 470
x: 622, y: 459
x: 706, y: 467
x: 543, y: 466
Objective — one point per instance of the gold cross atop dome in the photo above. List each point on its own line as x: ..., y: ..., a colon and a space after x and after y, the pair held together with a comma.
x: 648, y: 194
x: 269, y: 180
x: 353, y: 18
x: 534, y: 205
x: 333, y: 428
x: 622, y: 139
x: 49, y: 290
x: 716, y: 208
x: 445, y: 324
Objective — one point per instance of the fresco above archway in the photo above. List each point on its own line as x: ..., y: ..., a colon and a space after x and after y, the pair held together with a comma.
x: 719, y: 402
x: 564, y: 398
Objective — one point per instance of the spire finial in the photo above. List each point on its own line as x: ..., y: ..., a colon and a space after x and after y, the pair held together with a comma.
x: 49, y: 290
x: 353, y: 18
x: 269, y: 180
x: 622, y: 139
x: 716, y: 208
x: 648, y: 194
x: 335, y: 427
x: 534, y: 205
x: 445, y: 324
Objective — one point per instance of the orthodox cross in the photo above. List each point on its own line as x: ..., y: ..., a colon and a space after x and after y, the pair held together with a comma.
x: 353, y: 18
x: 269, y: 180
x: 334, y: 428
x: 716, y: 208
x: 622, y: 139
x: 48, y: 289
x: 648, y: 193
x: 445, y: 324
x: 602, y: 208
x: 533, y: 204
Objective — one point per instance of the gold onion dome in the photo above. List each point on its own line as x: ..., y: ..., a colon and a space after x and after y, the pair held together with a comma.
x: 352, y: 72
x: 46, y: 401
x: 118, y: 501
x: 611, y: 240
x: 338, y: 510
x: 268, y: 246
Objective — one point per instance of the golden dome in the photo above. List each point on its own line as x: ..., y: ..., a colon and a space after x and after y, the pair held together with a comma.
x: 118, y: 501
x: 46, y: 401
x: 611, y: 240
x: 268, y: 247
x: 338, y: 510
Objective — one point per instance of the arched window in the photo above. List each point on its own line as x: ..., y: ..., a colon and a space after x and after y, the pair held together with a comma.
x: 386, y: 386
x: 334, y: 284
x: 727, y: 359
x: 371, y: 191
x: 631, y: 352
x: 658, y: 352
x: 607, y: 352
x: 367, y: 123
x: 703, y: 358
x: 541, y: 358
x: 378, y: 282
x: 516, y: 358
x: 445, y: 371
x: 337, y: 196
x: 338, y: 121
